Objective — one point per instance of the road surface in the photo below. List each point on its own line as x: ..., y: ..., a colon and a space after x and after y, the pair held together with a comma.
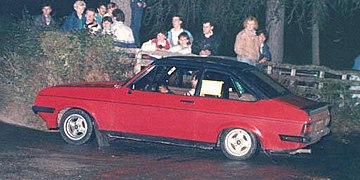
x: 32, y: 154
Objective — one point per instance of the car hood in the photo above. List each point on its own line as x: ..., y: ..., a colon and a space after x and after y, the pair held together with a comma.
x: 90, y: 84
x: 302, y: 103
x: 86, y: 90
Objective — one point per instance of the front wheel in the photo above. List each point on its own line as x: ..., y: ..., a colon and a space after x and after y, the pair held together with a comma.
x: 238, y: 144
x: 76, y: 127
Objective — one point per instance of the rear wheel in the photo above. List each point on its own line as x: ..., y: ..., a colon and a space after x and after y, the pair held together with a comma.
x: 238, y: 144
x: 76, y: 127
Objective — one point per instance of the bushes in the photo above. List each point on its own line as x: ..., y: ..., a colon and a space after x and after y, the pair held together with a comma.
x: 36, y: 58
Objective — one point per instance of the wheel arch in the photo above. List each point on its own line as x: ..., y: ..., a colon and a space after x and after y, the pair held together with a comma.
x: 65, y: 109
x: 247, y: 127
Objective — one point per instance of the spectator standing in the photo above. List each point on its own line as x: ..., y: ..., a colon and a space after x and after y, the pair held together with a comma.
x: 76, y: 20
x: 110, y: 8
x: 264, y: 52
x: 124, y: 5
x: 123, y: 36
x: 247, y: 44
x: 160, y: 43
x: 177, y: 29
x: 90, y: 24
x: 137, y: 10
x: 184, y: 44
x: 45, y: 19
x: 207, y: 43
x: 101, y: 11
x: 106, y: 25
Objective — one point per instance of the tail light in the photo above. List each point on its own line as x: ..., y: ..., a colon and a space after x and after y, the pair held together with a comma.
x: 308, y: 129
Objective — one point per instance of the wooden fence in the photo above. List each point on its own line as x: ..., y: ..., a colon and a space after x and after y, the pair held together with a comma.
x: 318, y: 82
x: 314, y: 82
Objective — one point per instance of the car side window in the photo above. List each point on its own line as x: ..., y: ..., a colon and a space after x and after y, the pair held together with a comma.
x: 183, y: 81
x: 224, y: 86
x: 170, y: 80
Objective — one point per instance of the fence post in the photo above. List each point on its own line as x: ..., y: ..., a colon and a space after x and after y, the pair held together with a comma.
x: 344, y: 77
x: 293, y: 72
x: 269, y: 69
x: 138, y: 59
x: 321, y: 76
x: 293, y: 80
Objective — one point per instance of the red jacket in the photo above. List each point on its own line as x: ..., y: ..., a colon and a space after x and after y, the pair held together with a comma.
x: 159, y: 45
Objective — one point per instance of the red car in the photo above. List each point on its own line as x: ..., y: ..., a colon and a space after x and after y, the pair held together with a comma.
x: 205, y: 102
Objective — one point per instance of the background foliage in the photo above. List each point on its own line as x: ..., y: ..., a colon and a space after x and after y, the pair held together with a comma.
x: 32, y: 59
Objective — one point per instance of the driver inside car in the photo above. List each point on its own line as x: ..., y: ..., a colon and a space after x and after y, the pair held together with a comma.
x: 194, y: 81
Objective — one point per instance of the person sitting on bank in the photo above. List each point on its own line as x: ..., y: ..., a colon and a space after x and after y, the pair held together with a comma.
x: 45, y: 19
x: 123, y: 36
x: 160, y: 43
x: 184, y: 44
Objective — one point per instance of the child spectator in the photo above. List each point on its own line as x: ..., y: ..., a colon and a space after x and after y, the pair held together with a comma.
x: 206, y: 43
x: 184, y: 44
x: 45, y: 19
x: 76, y: 20
x: 123, y: 36
x: 101, y: 11
x: 160, y: 43
x: 106, y: 25
x: 265, y: 54
x: 173, y: 34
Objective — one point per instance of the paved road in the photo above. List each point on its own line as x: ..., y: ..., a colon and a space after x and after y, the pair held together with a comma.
x: 32, y: 154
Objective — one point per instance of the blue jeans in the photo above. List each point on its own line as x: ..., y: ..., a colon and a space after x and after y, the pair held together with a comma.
x: 246, y: 60
x: 136, y: 17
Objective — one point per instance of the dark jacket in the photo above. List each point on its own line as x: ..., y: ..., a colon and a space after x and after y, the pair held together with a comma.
x: 265, y: 52
x: 73, y: 23
x: 203, y: 43
x: 40, y: 21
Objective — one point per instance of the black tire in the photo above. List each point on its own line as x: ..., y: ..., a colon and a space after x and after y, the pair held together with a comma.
x: 76, y: 127
x: 238, y: 144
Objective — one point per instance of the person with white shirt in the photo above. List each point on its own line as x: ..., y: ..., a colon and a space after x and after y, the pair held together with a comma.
x: 174, y: 33
x: 123, y: 36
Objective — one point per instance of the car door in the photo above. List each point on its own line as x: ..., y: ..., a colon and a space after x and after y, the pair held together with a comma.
x: 151, y: 111
x: 221, y: 100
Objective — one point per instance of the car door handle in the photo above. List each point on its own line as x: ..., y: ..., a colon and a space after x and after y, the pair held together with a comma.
x: 187, y: 101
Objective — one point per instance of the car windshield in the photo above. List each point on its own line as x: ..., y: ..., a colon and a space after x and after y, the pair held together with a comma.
x: 265, y: 83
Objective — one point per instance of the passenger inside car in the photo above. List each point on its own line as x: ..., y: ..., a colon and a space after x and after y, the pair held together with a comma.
x: 194, y: 81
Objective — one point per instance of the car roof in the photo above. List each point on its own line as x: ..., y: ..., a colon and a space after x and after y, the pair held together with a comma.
x: 214, y: 62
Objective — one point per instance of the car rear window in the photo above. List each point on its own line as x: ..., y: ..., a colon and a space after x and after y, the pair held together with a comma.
x: 266, y: 84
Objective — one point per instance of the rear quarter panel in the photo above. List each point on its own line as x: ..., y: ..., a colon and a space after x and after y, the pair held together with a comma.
x: 267, y: 119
